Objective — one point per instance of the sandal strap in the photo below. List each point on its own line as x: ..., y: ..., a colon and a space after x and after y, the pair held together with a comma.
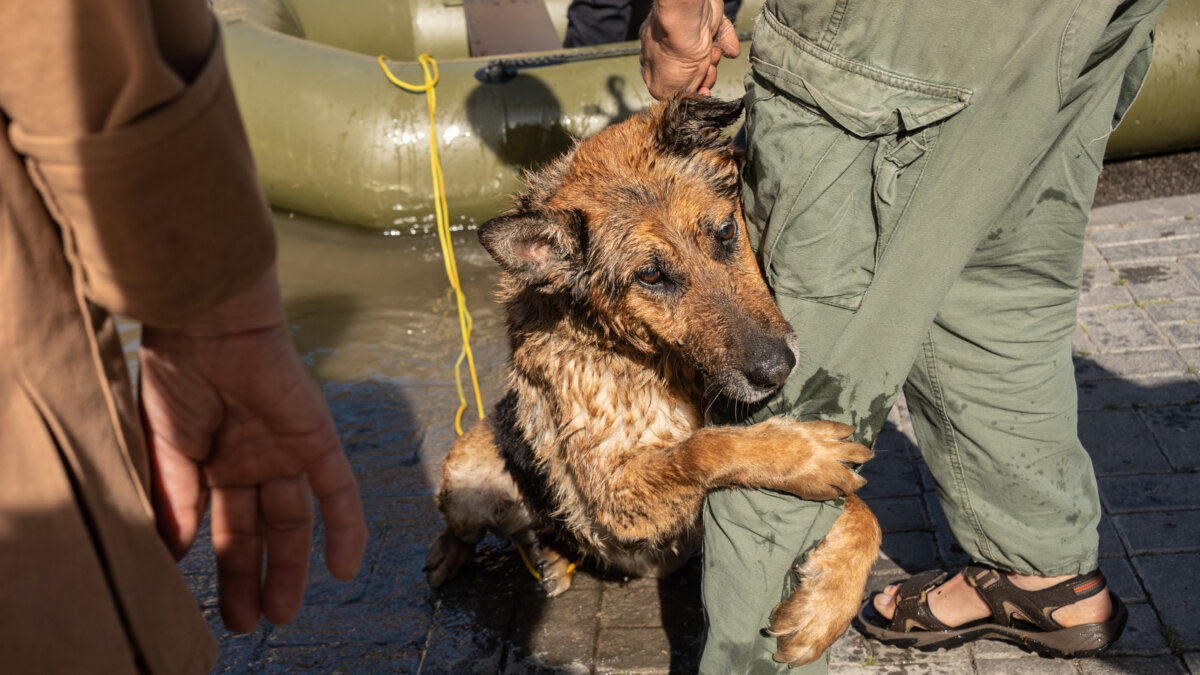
x: 1008, y: 603
x: 912, y: 603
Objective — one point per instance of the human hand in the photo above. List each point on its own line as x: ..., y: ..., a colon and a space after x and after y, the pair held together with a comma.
x: 682, y: 43
x: 230, y: 411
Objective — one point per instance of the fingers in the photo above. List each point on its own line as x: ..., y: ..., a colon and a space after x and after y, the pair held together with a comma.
x: 727, y: 40
x: 178, y: 495
x: 333, y: 483
x: 287, y: 516
x: 237, y: 541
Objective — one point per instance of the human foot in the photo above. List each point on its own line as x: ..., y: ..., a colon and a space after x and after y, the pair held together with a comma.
x: 956, y: 602
x: 1069, y: 617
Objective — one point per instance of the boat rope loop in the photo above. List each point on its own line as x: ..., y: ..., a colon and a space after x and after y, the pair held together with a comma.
x: 429, y: 67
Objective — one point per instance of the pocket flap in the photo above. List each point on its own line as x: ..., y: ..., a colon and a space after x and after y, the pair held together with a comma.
x: 864, y: 99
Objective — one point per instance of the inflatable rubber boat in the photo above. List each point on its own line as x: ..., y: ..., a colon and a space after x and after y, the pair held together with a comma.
x: 335, y: 140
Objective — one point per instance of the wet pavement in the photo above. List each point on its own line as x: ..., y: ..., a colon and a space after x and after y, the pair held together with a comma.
x: 372, y: 317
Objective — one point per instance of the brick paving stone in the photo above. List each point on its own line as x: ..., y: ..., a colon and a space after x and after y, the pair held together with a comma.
x: 340, y: 659
x: 237, y: 650
x: 899, y: 514
x: 1192, y: 267
x: 1082, y: 345
x: 1170, y: 229
x: 554, y: 632
x: 949, y: 552
x: 1176, y: 309
x: 910, y: 551
x: 1130, y: 494
x: 1119, y: 442
x: 1110, y: 543
x: 1120, y: 329
x: 1131, y: 665
x: 1172, y: 208
x: 646, y: 650
x: 889, y: 475
x: 1192, y: 356
x: 1183, y: 335
x: 889, y: 659
x: 849, y: 653
x: 470, y: 639
x: 1024, y: 665
x: 1119, y: 576
x: 384, y: 624
x: 640, y: 607
x: 1143, y: 633
x: 1160, y: 531
x: 1102, y: 291
x: 1149, y: 251
x: 1192, y: 660
x: 1132, y: 364
x: 895, y: 443
x: 1174, y: 588
x: 1157, y: 280
x: 998, y: 649
x: 1154, y: 390
x: 1146, y: 228
x: 1091, y: 255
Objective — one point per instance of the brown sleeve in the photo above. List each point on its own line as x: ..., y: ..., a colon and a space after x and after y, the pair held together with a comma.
x: 124, y: 112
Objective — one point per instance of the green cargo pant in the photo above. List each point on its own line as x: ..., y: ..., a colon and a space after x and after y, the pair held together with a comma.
x: 917, y: 179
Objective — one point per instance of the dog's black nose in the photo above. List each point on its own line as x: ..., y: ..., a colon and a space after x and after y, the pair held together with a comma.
x: 773, y: 362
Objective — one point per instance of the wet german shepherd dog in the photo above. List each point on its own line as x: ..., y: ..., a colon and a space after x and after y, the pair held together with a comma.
x: 633, y: 300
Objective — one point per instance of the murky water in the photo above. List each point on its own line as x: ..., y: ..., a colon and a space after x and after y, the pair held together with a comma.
x: 375, y: 319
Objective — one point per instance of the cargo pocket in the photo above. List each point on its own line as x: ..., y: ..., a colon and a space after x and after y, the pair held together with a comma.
x: 836, y: 151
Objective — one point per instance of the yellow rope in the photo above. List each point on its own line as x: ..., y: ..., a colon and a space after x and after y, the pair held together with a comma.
x: 429, y: 67
x: 533, y: 570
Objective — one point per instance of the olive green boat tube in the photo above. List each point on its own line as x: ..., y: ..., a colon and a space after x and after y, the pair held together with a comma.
x: 335, y: 140
x: 1166, y: 115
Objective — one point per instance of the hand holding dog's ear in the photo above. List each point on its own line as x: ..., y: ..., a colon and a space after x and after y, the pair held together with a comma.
x: 683, y: 41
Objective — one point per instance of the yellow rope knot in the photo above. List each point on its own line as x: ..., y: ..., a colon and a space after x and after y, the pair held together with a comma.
x: 429, y: 68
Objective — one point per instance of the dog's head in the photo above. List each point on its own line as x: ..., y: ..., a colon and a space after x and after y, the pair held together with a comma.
x: 640, y: 229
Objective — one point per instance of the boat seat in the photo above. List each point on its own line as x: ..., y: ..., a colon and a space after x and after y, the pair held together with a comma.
x: 496, y: 27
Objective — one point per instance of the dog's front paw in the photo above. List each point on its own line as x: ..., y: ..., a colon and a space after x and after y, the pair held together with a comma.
x: 446, y: 557
x: 822, y: 459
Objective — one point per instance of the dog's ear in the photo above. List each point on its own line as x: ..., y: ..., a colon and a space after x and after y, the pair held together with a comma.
x: 691, y: 122
x: 540, y: 247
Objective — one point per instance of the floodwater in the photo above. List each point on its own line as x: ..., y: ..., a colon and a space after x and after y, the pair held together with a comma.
x: 374, y: 317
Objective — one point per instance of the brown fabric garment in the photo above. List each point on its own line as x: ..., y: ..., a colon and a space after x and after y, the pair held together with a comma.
x: 126, y: 186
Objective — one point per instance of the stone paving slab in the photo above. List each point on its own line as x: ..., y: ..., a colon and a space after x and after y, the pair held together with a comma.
x: 1174, y: 588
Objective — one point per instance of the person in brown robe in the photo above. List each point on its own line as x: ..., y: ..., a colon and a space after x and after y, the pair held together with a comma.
x: 127, y: 187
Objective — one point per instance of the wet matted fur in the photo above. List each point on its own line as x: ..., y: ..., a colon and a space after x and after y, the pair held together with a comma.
x: 632, y: 299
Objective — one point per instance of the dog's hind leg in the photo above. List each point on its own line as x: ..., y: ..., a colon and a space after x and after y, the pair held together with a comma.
x: 552, y: 563
x: 820, y: 609
x: 476, y: 494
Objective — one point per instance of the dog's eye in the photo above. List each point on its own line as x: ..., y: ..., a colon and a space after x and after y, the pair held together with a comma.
x: 728, y: 229
x: 651, y: 276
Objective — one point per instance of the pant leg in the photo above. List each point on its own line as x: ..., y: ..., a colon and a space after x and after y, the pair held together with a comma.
x: 877, y: 162
x: 992, y: 394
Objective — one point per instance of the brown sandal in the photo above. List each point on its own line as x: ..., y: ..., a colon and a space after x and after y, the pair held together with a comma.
x: 1018, y: 616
